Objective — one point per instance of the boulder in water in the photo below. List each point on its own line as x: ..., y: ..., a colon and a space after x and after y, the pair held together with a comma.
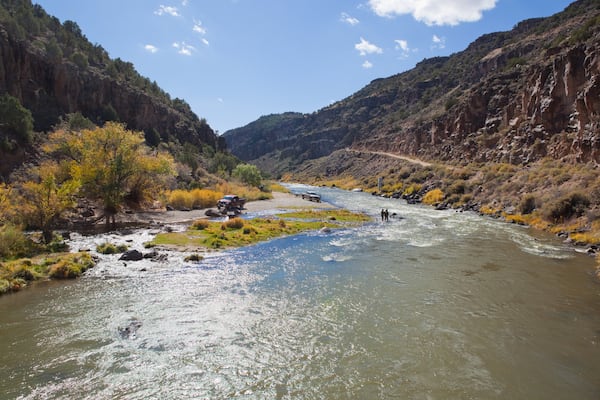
x: 131, y: 255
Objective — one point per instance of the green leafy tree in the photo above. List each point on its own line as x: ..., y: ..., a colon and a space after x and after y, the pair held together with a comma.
x: 74, y: 122
x: 248, y: 174
x: 14, y: 118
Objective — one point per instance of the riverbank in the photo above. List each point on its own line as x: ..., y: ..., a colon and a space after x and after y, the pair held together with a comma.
x: 280, y: 201
x: 18, y: 274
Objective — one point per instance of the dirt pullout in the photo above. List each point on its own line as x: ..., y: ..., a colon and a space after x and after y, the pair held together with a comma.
x: 278, y: 202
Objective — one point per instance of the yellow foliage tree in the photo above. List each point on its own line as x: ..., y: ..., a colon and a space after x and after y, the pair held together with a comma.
x: 7, y: 208
x: 46, y: 198
x: 114, y: 165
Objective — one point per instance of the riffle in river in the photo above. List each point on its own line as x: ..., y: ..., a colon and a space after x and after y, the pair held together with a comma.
x: 430, y: 305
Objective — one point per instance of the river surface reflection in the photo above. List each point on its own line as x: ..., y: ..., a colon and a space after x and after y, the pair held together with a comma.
x: 431, y: 305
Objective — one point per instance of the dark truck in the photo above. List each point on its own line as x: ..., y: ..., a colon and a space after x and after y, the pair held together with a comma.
x: 311, y: 196
x: 231, y: 204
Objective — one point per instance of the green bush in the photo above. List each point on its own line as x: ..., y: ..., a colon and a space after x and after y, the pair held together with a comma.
x: 14, y: 243
x: 4, y: 286
x: 16, y: 118
x: 109, y: 248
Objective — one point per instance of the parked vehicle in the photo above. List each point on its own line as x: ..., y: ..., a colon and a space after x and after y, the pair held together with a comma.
x: 311, y: 196
x: 231, y: 203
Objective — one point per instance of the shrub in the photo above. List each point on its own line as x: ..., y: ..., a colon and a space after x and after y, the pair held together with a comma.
x: 235, y: 223
x: 14, y: 243
x: 71, y: 266
x: 527, y: 205
x: 200, y: 224
x: 415, y: 188
x: 109, y: 248
x: 194, y: 257
x: 566, y: 207
x: 180, y: 199
x: 458, y: 187
x: 434, y: 196
x: 4, y: 286
x: 204, y: 198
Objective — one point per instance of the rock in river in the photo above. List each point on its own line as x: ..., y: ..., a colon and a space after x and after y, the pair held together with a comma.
x: 131, y: 255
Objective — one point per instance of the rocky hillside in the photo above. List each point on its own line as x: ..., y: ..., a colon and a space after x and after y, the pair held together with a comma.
x: 53, y: 70
x: 510, y: 97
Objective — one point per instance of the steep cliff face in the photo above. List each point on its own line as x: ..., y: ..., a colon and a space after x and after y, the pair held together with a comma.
x: 50, y: 88
x: 520, y: 115
x: 510, y: 97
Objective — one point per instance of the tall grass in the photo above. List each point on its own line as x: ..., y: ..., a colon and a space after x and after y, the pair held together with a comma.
x: 193, y: 199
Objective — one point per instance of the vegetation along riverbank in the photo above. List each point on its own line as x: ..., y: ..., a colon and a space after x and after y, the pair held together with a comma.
x: 205, y: 235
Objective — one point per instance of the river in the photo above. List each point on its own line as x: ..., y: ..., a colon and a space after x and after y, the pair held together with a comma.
x: 431, y: 305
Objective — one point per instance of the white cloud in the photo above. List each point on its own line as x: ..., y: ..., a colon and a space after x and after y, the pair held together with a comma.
x: 162, y: 10
x: 438, y: 42
x: 206, y: 42
x: 364, y: 48
x: 151, y: 48
x: 434, y: 12
x: 402, y: 45
x: 220, y: 100
x: 199, y: 28
x: 184, y: 3
x: 184, y: 49
x: 367, y: 64
x: 348, y: 19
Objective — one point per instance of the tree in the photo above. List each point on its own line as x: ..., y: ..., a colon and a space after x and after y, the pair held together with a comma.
x: 247, y: 173
x: 7, y: 208
x: 47, y: 198
x: 114, y: 165
x: 14, y: 118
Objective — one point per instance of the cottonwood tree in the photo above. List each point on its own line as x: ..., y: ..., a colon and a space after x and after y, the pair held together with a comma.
x: 47, y: 197
x: 248, y: 174
x: 114, y: 165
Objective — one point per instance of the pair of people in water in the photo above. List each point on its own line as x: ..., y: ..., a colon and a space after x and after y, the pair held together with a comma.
x: 385, y: 215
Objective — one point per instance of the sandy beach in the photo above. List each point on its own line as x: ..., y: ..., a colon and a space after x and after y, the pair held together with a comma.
x: 280, y: 201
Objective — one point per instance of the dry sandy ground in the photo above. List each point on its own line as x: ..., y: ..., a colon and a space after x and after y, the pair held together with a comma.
x: 280, y: 201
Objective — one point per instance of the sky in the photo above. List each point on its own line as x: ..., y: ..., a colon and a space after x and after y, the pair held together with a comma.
x: 236, y: 60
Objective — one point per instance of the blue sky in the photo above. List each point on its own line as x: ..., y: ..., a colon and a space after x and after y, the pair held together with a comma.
x: 235, y: 60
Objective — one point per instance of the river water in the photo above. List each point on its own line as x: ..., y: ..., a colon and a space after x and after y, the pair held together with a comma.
x: 431, y: 305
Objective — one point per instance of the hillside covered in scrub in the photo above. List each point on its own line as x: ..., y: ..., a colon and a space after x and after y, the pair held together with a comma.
x: 51, y: 69
x: 509, y: 125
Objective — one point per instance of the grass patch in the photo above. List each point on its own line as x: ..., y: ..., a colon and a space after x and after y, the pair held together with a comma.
x: 109, y: 248
x: 18, y: 274
x: 237, y: 232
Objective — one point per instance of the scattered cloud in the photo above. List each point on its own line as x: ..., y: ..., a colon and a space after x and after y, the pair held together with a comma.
x: 184, y: 49
x: 151, y: 48
x: 199, y: 28
x: 168, y: 10
x: 348, y: 19
x: 438, y: 42
x: 205, y: 42
x: 184, y: 3
x: 220, y: 100
x: 364, y: 48
x: 434, y: 12
x: 402, y: 46
x: 367, y: 64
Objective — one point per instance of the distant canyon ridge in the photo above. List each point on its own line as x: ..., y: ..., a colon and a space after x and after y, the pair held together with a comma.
x: 510, y: 97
